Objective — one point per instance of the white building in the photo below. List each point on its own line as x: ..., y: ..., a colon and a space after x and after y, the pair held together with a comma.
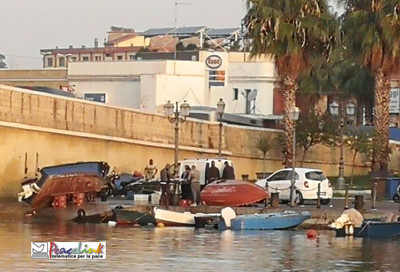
x: 246, y: 85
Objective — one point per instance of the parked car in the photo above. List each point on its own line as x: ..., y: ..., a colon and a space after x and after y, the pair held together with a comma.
x: 306, y: 184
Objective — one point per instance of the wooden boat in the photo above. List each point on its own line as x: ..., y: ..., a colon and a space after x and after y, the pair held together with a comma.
x: 232, y: 193
x: 64, y: 180
x: 265, y: 221
x: 130, y: 217
x: 371, y: 229
x: 172, y: 218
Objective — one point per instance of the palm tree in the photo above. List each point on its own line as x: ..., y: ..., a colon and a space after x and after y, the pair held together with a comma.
x: 372, y: 33
x: 295, y: 32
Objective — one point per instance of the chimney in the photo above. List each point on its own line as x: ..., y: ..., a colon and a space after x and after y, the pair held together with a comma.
x: 96, y: 43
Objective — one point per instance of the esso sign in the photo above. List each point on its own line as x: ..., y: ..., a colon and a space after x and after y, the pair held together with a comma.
x: 213, y: 61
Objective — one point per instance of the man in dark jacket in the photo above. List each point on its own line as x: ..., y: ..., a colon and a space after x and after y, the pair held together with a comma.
x: 165, y: 189
x: 213, y: 173
x: 228, y: 172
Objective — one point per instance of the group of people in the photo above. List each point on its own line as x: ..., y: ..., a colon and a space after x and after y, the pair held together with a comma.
x: 190, y: 179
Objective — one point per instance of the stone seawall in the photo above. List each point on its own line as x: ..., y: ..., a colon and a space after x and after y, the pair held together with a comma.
x: 38, y: 130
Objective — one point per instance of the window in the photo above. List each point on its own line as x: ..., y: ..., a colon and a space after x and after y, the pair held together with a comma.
x: 61, y: 62
x: 248, y: 103
x: 49, y: 62
x: 85, y: 58
x: 216, y: 78
x: 131, y: 57
x: 315, y: 176
x: 120, y: 57
x: 289, y: 176
x: 235, y: 93
x: 282, y: 175
x: 97, y: 58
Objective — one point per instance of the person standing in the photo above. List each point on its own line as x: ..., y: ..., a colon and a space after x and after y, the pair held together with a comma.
x: 150, y: 170
x: 165, y: 178
x: 228, y: 172
x: 195, y: 185
x: 213, y: 173
x: 185, y: 186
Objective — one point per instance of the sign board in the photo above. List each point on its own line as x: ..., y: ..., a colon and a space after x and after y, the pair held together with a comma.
x: 213, y: 61
x: 394, y: 104
x: 96, y: 97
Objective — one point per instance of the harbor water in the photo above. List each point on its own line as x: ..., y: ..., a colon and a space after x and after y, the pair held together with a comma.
x: 189, y: 249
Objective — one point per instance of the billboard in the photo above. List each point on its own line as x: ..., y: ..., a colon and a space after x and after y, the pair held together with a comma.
x: 394, y: 100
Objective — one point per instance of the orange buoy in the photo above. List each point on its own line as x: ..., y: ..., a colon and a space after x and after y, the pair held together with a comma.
x: 311, y: 234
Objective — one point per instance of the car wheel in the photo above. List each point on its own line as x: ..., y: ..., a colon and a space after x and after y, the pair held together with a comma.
x: 299, y: 198
x: 325, y: 201
x: 396, y: 198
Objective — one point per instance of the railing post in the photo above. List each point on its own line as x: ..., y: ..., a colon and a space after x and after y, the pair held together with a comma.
x: 374, y: 197
x: 319, y: 196
x: 346, y: 197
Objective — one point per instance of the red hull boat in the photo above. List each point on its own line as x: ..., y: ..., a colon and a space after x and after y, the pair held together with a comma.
x: 232, y: 193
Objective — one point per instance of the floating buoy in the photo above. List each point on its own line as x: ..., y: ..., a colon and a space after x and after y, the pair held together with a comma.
x: 311, y: 234
x: 160, y: 225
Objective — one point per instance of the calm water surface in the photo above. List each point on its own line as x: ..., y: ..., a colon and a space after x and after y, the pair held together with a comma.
x: 187, y: 249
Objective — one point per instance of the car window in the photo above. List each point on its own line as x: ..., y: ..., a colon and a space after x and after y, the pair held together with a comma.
x: 315, y: 175
x: 289, y: 176
x: 282, y: 175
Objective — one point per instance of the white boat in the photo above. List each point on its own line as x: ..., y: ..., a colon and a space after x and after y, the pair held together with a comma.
x: 172, y: 218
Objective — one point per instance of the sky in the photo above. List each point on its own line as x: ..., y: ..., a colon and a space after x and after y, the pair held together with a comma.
x: 31, y: 25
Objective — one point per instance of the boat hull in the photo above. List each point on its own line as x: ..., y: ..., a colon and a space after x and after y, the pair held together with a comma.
x: 372, y: 229
x: 232, y: 193
x: 129, y: 217
x: 267, y: 221
x: 172, y: 218
x: 67, y: 179
x: 205, y: 220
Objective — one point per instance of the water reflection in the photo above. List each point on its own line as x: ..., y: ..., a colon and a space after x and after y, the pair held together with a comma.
x: 183, y: 249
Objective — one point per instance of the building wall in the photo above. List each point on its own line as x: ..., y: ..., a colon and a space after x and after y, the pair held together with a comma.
x: 52, y: 78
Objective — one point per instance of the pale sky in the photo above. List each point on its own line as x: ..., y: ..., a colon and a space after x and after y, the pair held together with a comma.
x: 30, y: 25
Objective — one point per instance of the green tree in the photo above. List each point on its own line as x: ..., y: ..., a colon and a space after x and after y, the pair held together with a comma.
x: 295, y: 32
x: 372, y: 34
x: 264, y: 144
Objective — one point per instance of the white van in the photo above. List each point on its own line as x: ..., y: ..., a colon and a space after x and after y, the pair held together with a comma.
x: 203, y: 164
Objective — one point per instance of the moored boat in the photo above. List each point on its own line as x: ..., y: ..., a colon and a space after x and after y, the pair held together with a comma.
x: 232, y: 193
x: 371, y: 229
x: 264, y: 221
x: 206, y: 220
x: 130, y: 217
x: 172, y: 218
x: 64, y: 180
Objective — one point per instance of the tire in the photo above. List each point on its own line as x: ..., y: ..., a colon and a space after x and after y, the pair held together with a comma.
x: 396, y: 197
x: 298, y: 198
x: 325, y: 201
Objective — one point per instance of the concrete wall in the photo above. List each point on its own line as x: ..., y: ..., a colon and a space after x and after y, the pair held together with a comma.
x: 64, y: 130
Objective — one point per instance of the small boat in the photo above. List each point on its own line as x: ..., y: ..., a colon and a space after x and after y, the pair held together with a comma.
x: 206, y: 220
x: 371, y: 229
x: 131, y: 217
x: 264, y: 221
x: 172, y: 218
x: 232, y: 193
x: 64, y: 180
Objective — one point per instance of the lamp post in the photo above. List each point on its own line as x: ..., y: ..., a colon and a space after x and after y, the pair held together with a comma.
x: 293, y: 116
x: 335, y: 110
x: 176, y: 117
x: 220, y: 111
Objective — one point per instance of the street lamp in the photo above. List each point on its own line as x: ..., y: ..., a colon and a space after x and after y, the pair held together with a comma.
x: 335, y: 111
x: 220, y: 111
x: 293, y: 116
x: 176, y: 117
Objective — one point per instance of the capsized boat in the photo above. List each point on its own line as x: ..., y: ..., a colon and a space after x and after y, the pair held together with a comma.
x: 264, y: 221
x: 65, y: 179
x: 232, y: 193
x: 172, y: 218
